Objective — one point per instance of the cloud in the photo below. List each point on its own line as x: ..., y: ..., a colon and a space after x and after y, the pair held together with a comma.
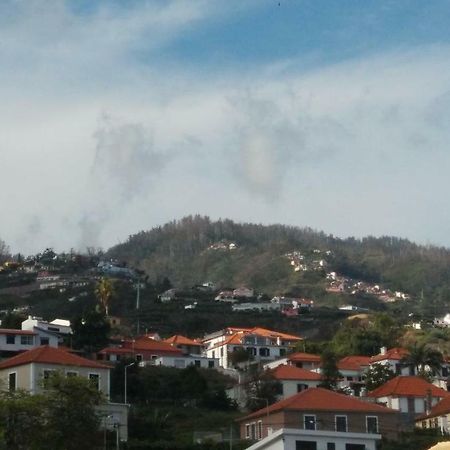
x: 100, y: 140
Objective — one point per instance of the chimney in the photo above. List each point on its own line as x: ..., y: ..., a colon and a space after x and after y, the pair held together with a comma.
x: 383, y: 350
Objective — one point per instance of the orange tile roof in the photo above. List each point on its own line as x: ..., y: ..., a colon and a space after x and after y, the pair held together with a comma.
x: 144, y: 343
x: 274, y: 334
x: 13, y: 331
x: 50, y: 355
x: 181, y: 340
x: 395, y: 354
x: 353, y: 362
x: 318, y: 399
x: 303, y: 357
x: 407, y: 386
x: 440, y: 409
x: 285, y: 372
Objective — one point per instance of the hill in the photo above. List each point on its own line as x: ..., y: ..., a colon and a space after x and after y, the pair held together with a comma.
x: 279, y: 259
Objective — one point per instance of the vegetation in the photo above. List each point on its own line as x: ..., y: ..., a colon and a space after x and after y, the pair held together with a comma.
x: 377, y: 375
x: 330, y: 371
x: 63, y: 415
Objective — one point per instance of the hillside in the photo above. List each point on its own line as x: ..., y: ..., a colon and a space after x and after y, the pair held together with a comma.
x: 266, y: 258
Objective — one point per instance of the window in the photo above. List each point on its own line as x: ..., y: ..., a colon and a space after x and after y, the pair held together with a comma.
x: 331, y: 446
x: 71, y: 373
x: 282, y: 351
x: 247, y: 431
x: 211, y: 364
x: 47, y: 373
x: 372, y: 424
x: 260, y: 434
x: 11, y: 339
x: 445, y: 371
x: 197, y: 363
x: 253, y: 430
x: 139, y: 357
x: 349, y: 378
x: 301, y: 387
x: 94, y: 378
x: 263, y: 351
x: 12, y: 381
x: 309, y: 422
x: 305, y: 445
x: 26, y: 340
x: 44, y: 340
x: 355, y: 447
x: 341, y: 423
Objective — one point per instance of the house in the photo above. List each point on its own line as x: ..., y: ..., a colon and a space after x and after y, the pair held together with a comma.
x: 438, y: 417
x: 393, y: 358
x: 307, y: 361
x: 411, y: 395
x: 30, y: 370
x: 183, y: 361
x: 186, y: 345
x: 352, y: 369
x: 60, y: 327
x: 167, y: 296
x: 143, y: 348
x: 15, y: 341
x: 294, y: 380
x: 319, y: 419
x: 243, y: 292
x: 260, y: 343
x: 255, y: 307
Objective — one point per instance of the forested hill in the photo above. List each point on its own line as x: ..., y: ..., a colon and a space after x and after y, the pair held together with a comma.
x: 196, y: 249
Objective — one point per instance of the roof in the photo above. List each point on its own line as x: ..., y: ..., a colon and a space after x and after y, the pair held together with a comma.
x: 407, y: 386
x: 304, y: 357
x: 147, y: 344
x: 353, y: 362
x: 13, y: 331
x: 395, y: 354
x: 50, y: 355
x: 274, y: 334
x: 319, y: 399
x: 181, y: 340
x: 440, y: 409
x: 285, y: 372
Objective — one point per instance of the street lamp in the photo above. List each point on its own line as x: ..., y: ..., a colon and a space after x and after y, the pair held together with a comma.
x: 125, y: 381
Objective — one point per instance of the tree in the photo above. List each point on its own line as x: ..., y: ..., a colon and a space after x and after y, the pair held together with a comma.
x: 423, y: 359
x: 330, y: 371
x: 262, y: 390
x: 377, y: 375
x: 63, y: 415
x: 4, y: 251
x: 104, y: 292
x: 91, y: 332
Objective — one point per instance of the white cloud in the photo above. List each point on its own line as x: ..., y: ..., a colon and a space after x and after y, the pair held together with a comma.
x: 353, y: 148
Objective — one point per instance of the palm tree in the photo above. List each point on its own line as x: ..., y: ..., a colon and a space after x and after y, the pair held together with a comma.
x: 104, y: 291
x: 423, y: 359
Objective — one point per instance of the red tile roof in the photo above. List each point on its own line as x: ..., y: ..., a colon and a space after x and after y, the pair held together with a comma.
x: 182, y: 340
x: 50, y: 355
x: 148, y: 344
x: 395, y: 354
x: 353, y: 362
x: 318, y: 399
x: 12, y: 331
x: 440, y: 409
x: 407, y: 386
x: 303, y: 357
x: 285, y: 372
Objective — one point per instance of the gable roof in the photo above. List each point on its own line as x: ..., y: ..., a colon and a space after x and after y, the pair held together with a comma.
x: 394, y: 354
x: 178, y: 339
x: 303, y: 357
x: 407, y: 386
x: 50, y: 355
x: 147, y: 344
x: 353, y: 362
x: 286, y: 372
x: 319, y: 399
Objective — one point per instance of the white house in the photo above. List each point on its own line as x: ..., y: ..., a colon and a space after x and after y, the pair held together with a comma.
x: 58, y: 326
x: 183, y: 361
x: 294, y: 380
x: 14, y: 341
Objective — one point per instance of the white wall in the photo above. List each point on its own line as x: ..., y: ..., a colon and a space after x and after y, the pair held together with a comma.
x: 17, y: 346
x: 290, y: 386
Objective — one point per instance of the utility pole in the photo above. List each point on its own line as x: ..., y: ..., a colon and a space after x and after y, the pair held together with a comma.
x: 138, y: 300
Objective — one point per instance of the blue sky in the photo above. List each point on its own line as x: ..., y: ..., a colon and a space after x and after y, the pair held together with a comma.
x: 118, y: 116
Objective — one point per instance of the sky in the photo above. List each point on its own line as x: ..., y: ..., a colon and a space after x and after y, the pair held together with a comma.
x: 117, y: 116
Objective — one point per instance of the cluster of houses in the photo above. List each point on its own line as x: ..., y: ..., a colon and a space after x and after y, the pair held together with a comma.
x: 339, y: 284
x: 302, y: 263
x: 305, y: 417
